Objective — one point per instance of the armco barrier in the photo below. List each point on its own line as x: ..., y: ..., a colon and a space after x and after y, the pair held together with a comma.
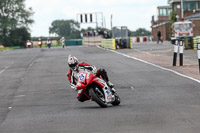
x: 108, y: 43
x: 196, y: 40
x: 73, y: 42
x: 131, y: 42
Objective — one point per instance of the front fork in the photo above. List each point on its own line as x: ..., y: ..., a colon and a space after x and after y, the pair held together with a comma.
x: 109, y: 95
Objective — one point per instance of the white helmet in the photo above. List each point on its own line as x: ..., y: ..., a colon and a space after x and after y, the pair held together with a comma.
x: 73, y: 62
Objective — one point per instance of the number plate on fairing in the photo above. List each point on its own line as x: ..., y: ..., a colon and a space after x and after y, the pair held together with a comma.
x: 81, y: 76
x: 108, y: 95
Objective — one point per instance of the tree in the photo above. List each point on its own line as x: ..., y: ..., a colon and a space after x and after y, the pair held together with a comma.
x: 141, y: 32
x: 19, y: 36
x: 130, y: 33
x: 65, y: 28
x: 171, y: 21
x: 13, y: 15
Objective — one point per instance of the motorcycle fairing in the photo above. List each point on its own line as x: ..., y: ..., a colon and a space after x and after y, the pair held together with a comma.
x: 86, y: 79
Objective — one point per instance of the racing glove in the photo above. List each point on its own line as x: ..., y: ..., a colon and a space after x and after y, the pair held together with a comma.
x: 92, y: 68
x: 73, y: 86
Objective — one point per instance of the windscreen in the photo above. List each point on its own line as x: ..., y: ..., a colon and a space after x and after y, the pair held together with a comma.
x: 184, y: 27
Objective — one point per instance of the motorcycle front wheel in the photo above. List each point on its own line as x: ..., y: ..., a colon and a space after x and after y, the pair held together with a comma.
x: 117, y: 100
x: 98, y: 96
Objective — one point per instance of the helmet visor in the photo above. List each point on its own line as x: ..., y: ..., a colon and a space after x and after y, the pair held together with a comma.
x: 73, y: 66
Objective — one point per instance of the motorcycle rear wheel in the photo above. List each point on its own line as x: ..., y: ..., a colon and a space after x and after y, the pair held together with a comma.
x: 97, y: 98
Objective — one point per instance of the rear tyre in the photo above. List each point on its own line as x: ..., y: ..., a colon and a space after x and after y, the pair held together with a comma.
x: 97, y: 98
x: 117, y: 100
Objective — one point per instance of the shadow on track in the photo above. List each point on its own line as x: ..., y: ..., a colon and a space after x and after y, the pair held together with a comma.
x: 98, y: 107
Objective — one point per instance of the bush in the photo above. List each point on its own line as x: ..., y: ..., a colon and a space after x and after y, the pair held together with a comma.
x: 17, y: 37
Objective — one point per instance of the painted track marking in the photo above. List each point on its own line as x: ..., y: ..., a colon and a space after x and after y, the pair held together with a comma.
x: 4, y: 69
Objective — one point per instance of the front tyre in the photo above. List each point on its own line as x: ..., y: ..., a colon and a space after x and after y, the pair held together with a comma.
x: 117, y: 100
x: 98, y: 97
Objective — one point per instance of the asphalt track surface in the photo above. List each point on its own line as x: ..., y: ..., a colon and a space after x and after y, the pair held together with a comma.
x: 35, y: 96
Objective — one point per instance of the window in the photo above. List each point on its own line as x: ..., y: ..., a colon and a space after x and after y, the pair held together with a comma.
x: 189, y: 6
x: 169, y: 12
x: 160, y: 13
x: 198, y: 5
x: 163, y: 12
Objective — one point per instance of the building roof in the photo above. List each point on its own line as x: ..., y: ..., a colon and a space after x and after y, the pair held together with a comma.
x: 163, y: 23
x: 193, y: 16
x: 164, y: 7
x: 172, y: 1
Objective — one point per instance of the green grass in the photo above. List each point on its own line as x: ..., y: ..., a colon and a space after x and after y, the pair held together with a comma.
x: 18, y: 47
x: 58, y: 45
x: 7, y: 48
x: 2, y: 49
x: 45, y: 46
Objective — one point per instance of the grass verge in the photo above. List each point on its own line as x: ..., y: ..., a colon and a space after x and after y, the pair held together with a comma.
x: 7, y: 48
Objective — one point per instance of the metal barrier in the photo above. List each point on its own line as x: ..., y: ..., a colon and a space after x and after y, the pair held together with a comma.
x: 131, y: 42
x: 108, y: 43
x: 117, y: 43
x: 196, y: 40
x: 73, y: 42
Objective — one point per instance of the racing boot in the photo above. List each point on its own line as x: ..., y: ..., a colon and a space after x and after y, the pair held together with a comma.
x: 81, y: 97
x: 111, y: 85
x: 79, y: 94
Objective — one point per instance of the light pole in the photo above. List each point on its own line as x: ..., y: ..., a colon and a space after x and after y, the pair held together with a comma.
x: 182, y: 11
x: 111, y: 21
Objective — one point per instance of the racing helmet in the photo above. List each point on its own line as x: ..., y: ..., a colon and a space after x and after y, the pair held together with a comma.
x: 73, y: 62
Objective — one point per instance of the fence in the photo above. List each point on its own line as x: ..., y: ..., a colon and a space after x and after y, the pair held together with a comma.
x: 92, y: 40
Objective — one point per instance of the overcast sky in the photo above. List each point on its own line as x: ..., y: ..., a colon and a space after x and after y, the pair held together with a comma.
x: 131, y: 13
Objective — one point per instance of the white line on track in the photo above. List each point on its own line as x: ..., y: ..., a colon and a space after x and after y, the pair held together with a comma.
x: 196, y: 80
x: 18, y: 96
x: 4, y: 69
x: 30, y: 65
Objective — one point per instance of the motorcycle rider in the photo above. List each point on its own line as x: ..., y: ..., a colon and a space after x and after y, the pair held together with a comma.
x: 62, y: 40
x: 39, y: 43
x: 75, y: 66
x: 49, y: 43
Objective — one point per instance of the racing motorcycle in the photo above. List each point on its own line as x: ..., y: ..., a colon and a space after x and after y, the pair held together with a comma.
x: 96, y: 89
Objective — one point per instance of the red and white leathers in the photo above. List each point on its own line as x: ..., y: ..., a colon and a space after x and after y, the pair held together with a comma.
x: 73, y: 78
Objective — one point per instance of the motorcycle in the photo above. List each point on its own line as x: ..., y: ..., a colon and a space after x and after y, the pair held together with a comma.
x: 96, y: 89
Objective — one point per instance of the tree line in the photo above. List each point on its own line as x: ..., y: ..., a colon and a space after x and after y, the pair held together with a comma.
x: 15, y: 20
x: 71, y: 29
